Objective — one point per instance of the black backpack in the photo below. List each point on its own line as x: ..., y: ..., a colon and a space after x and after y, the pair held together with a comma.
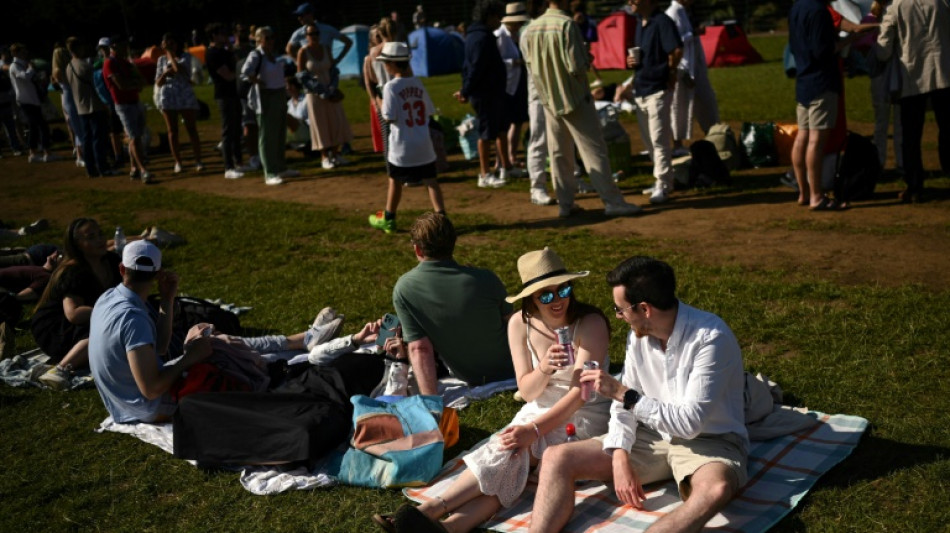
x: 705, y: 167
x: 858, y: 170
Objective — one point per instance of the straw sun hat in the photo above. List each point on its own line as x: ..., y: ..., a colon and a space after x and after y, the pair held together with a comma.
x: 542, y: 268
x: 515, y: 12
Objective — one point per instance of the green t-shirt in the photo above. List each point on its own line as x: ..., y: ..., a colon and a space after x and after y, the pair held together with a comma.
x: 462, y: 311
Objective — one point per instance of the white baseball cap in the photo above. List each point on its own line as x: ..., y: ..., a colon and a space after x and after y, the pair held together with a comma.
x: 142, y: 256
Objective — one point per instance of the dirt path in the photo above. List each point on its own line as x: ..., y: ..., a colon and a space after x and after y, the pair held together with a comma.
x: 878, y: 241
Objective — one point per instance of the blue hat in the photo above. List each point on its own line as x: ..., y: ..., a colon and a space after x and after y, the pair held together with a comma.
x: 304, y: 8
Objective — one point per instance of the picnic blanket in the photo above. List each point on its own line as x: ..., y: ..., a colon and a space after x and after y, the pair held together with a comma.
x: 781, y: 471
x: 266, y: 480
x: 25, y: 369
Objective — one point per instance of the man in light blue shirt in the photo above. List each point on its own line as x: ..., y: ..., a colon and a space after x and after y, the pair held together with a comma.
x: 328, y: 34
x: 126, y: 343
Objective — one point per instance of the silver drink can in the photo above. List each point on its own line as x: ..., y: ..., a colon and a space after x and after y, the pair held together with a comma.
x: 564, y: 339
x: 587, y: 388
x: 635, y: 53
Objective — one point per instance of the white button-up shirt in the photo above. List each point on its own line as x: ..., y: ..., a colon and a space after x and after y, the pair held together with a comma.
x: 693, y: 388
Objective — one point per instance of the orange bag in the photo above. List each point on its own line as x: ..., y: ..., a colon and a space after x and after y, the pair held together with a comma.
x: 784, y: 139
x: 449, y: 426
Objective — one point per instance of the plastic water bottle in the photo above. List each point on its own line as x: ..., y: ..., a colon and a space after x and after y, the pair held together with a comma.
x: 571, y: 432
x: 119, y: 240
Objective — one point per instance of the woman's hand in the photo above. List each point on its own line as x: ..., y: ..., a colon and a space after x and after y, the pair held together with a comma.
x: 368, y: 334
x: 517, y: 437
x: 554, y: 359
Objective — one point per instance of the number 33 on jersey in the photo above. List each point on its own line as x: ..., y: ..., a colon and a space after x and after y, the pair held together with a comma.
x: 407, y: 107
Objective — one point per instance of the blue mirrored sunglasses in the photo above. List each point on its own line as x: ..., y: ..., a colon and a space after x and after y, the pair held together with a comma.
x: 564, y: 292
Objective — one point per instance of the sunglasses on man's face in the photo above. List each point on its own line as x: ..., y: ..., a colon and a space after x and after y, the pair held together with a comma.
x: 563, y: 292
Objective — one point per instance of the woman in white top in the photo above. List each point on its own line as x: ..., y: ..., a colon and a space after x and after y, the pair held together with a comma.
x: 498, y: 471
x: 268, y: 98
x: 174, y: 95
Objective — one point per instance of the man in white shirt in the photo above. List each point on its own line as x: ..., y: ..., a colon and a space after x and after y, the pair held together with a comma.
x: 677, y: 411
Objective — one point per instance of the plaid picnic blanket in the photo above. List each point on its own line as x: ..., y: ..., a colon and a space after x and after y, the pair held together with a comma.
x: 781, y: 471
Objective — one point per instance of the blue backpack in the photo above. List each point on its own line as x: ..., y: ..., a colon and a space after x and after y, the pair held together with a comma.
x: 102, y: 91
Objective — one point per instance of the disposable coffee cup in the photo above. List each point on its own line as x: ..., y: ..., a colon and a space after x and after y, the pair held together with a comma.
x: 635, y: 53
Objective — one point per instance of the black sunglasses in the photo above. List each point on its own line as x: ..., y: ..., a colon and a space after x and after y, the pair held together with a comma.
x: 563, y: 292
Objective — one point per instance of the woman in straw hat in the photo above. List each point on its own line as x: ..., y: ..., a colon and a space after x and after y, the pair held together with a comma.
x: 498, y: 471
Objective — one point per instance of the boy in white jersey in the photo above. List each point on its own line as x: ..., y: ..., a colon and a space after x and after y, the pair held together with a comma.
x: 411, y: 158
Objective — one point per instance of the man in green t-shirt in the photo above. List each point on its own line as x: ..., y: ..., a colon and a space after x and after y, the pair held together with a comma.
x: 454, y: 312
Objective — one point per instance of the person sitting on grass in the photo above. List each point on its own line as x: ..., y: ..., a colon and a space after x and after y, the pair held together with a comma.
x: 497, y: 472
x: 411, y: 157
x: 27, y: 282
x: 60, y: 324
x: 126, y: 346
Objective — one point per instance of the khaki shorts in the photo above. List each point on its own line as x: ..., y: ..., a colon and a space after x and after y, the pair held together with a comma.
x: 820, y: 114
x: 655, y: 459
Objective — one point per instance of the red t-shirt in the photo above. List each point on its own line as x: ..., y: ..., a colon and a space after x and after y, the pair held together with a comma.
x: 123, y: 69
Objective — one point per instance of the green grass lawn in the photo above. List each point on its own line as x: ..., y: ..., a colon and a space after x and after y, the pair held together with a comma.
x: 867, y: 350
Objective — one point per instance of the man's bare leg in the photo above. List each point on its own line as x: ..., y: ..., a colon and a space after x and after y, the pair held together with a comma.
x: 798, y: 166
x: 561, y: 466
x: 712, y: 487
x: 814, y: 159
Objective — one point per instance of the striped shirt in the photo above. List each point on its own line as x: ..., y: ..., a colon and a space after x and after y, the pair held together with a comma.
x: 557, y: 59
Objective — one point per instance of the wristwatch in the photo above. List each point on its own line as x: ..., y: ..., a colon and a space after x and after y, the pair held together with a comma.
x: 630, y: 399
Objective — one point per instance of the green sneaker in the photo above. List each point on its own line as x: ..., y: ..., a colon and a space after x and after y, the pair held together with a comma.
x: 379, y: 221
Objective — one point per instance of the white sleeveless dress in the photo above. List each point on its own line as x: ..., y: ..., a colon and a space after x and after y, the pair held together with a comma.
x: 501, y: 474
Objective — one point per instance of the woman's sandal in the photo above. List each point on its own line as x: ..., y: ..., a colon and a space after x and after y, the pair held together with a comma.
x: 385, y: 522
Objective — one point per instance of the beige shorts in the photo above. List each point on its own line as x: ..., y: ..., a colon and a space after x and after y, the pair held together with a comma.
x: 820, y: 114
x: 655, y: 459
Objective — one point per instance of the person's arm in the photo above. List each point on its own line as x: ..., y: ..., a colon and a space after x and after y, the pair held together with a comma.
x: 673, y: 61
x: 621, y: 430
x: 369, y: 80
x: 167, y: 290
x: 422, y: 358
x: 626, y: 483
x: 706, y: 384
x: 531, y: 380
x: 347, y: 44
x: 887, y: 38
x: 27, y: 295
x: 153, y: 379
x: 577, y: 60
x: 75, y: 309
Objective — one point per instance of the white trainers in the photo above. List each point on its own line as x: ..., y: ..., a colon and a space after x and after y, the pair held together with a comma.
x: 327, y: 163
x: 488, y: 181
x: 622, y: 210
x: 55, y: 378
x: 659, y: 195
x: 290, y: 173
x: 324, y: 316
x: 233, y: 174
x: 540, y: 197
x: 273, y: 180
x: 317, y: 335
x: 177, y: 169
x: 80, y: 163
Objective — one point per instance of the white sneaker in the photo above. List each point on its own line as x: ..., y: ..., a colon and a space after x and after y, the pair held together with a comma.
x: 254, y: 163
x: 488, y: 181
x: 324, y: 316
x: 659, y: 196
x: 233, y: 174
x: 621, y: 210
x: 273, y: 180
x: 540, y: 197
x: 328, y: 163
x: 80, y: 163
x: 55, y: 378
x: 290, y: 173
x: 177, y: 169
